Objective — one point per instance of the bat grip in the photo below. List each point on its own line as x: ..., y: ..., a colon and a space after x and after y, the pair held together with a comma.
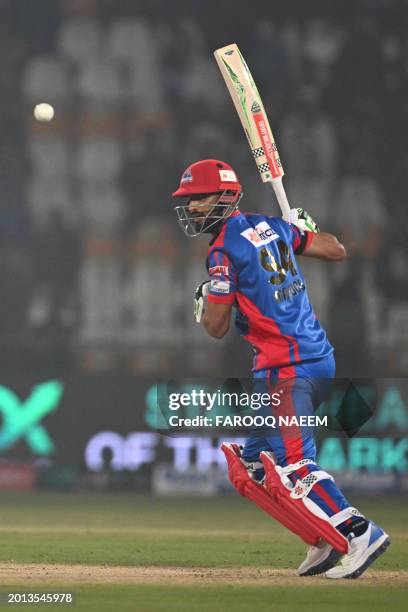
x: 281, y: 197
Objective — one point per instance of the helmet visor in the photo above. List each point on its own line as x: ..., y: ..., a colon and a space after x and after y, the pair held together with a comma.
x: 194, y: 223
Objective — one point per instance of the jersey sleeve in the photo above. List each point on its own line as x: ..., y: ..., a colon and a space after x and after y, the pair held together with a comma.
x: 223, y: 277
x: 301, y: 240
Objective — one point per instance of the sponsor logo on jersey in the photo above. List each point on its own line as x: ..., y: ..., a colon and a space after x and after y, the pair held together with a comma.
x: 219, y: 286
x: 218, y: 271
x: 187, y: 177
x: 229, y: 176
x: 261, y: 234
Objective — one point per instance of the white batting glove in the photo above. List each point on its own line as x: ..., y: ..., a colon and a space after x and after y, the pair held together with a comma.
x: 301, y: 218
x: 200, y: 299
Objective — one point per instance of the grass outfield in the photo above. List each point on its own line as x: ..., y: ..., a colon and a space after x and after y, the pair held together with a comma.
x: 133, y: 552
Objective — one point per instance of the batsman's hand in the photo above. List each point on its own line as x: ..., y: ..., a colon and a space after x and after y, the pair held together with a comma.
x: 301, y: 218
x: 200, y: 299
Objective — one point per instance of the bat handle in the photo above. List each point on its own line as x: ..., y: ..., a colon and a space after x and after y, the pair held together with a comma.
x: 281, y: 197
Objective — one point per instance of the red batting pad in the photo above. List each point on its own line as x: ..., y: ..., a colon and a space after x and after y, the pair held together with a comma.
x: 252, y: 490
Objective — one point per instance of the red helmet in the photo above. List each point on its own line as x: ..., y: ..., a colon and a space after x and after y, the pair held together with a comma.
x: 207, y: 176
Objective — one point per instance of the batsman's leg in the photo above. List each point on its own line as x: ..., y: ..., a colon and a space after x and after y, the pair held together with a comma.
x: 297, y: 482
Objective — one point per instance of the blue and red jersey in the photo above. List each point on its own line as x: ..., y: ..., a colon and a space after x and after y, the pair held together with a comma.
x: 251, y: 264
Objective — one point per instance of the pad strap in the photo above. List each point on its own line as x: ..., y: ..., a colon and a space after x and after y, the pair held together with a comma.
x: 293, y: 467
x: 305, y: 485
x: 343, y: 515
x: 253, y: 465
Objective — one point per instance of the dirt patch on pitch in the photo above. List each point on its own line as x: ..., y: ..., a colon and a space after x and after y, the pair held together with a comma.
x: 38, y: 574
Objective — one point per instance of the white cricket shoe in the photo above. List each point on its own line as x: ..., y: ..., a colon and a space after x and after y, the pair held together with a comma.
x: 319, y: 559
x: 363, y: 551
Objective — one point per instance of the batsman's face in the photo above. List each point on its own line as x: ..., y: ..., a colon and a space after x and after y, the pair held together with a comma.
x: 200, y: 205
x: 205, y: 212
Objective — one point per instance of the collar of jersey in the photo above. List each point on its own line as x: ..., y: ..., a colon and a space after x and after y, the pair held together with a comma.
x: 236, y: 213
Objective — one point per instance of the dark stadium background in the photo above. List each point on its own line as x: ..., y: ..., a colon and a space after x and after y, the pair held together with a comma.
x: 97, y: 280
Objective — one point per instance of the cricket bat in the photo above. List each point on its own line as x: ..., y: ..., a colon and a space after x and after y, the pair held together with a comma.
x: 250, y: 109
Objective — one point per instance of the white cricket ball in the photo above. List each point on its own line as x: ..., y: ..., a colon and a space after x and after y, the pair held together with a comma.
x: 43, y: 112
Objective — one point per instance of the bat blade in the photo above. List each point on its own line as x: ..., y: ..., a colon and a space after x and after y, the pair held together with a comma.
x: 251, y: 112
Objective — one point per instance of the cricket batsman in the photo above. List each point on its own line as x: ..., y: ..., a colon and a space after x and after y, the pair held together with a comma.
x: 252, y: 268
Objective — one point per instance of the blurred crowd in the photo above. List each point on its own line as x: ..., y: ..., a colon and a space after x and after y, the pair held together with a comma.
x: 95, y: 274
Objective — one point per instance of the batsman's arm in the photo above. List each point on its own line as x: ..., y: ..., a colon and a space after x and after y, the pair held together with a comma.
x: 325, y: 246
x: 216, y: 319
x: 311, y: 241
x: 214, y: 315
x: 220, y: 292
